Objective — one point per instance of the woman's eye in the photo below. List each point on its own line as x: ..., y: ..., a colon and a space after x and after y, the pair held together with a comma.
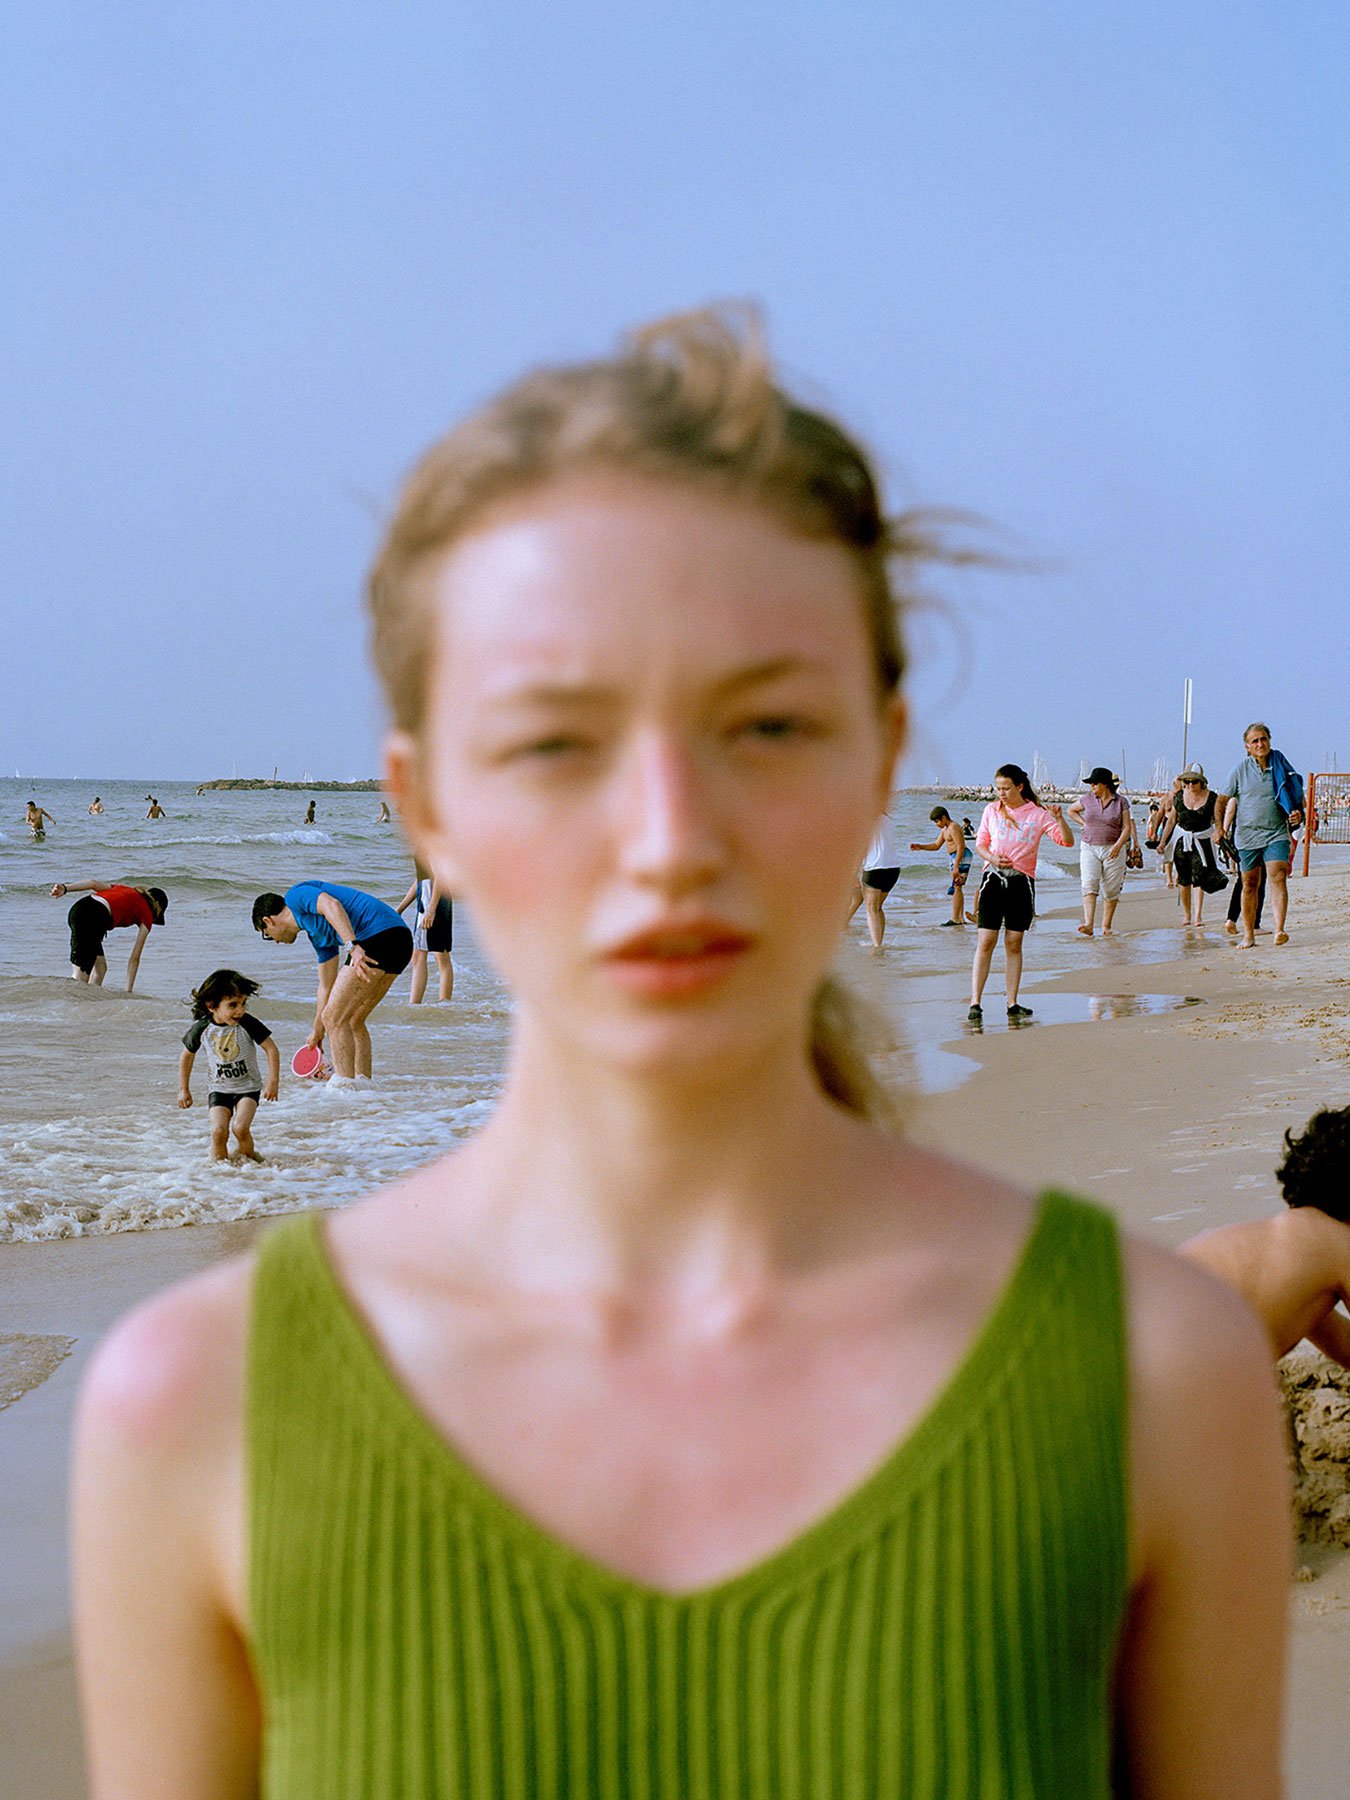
x: 546, y: 749
x: 773, y: 726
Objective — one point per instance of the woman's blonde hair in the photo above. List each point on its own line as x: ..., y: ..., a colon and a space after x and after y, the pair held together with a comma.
x: 689, y: 398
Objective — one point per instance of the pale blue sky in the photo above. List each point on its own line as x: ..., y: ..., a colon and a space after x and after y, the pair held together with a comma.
x: 1085, y: 270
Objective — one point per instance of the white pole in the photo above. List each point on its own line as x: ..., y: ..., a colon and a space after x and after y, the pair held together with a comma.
x: 1185, y: 721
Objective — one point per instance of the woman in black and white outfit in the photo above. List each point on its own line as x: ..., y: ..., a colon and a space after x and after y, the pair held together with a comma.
x: 880, y: 872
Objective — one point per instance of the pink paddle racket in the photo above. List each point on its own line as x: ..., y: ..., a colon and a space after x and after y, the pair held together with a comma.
x: 307, y: 1061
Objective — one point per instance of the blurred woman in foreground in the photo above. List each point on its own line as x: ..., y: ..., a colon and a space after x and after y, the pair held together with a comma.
x: 686, y: 1431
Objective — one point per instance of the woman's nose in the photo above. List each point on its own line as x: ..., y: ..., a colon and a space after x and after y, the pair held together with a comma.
x: 670, y: 836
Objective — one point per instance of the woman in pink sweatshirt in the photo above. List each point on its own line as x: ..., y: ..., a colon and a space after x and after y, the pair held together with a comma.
x: 1009, y: 836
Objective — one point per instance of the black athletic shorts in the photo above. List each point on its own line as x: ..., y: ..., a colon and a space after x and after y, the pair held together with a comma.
x: 441, y: 927
x: 90, y: 922
x: 230, y: 1101
x: 883, y: 879
x: 390, y: 951
x: 1006, y: 898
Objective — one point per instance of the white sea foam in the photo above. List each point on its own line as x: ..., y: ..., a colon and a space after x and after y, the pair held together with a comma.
x: 74, y: 1176
x: 227, y: 839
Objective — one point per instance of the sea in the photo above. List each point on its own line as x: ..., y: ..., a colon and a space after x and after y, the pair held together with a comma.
x: 91, y: 1134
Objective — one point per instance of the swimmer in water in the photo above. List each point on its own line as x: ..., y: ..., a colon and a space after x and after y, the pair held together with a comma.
x: 95, y: 805
x: 384, y: 816
x: 309, y: 813
x: 156, y: 810
x: 35, y: 816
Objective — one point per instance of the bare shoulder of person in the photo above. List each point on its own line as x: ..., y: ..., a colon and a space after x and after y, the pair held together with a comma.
x: 1202, y: 1385
x: 157, y: 1546
x: 166, y: 1384
x: 976, y: 1209
x: 1200, y: 1677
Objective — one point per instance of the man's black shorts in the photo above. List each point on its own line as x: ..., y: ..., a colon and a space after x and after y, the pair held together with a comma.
x: 441, y: 927
x: 90, y: 922
x: 1007, y: 898
x: 881, y: 879
x: 389, y: 950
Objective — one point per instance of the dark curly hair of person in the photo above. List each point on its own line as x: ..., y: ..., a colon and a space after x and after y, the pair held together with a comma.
x: 1316, y: 1167
x: 221, y: 984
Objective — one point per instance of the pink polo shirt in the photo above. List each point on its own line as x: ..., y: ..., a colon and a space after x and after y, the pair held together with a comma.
x: 1017, y: 832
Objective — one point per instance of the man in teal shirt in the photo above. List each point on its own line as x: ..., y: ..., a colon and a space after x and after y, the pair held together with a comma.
x: 379, y: 947
x: 1257, y: 814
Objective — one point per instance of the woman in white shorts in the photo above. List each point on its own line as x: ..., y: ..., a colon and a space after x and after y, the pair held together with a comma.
x: 1104, y: 814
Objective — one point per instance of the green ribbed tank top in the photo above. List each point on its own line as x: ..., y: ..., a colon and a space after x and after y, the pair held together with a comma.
x: 947, y: 1632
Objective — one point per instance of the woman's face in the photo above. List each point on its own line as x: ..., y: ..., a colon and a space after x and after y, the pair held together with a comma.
x: 1008, y: 791
x: 653, y: 758
x: 1102, y: 791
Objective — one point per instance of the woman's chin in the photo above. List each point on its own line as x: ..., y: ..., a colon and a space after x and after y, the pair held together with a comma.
x: 708, y: 1052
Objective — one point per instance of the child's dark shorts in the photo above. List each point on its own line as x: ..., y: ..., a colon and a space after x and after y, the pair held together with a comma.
x: 390, y: 951
x: 230, y: 1101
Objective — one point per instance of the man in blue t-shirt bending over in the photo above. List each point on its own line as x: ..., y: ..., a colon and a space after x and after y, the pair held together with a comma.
x: 379, y: 947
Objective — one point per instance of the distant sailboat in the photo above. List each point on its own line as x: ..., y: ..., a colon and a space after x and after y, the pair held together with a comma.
x: 1040, y: 772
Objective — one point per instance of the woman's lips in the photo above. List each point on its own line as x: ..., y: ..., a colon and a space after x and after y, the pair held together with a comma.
x: 671, y: 963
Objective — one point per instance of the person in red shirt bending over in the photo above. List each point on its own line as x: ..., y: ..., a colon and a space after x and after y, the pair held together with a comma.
x: 104, y: 909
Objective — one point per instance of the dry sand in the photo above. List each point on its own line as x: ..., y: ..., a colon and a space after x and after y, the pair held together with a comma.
x: 1174, y: 1121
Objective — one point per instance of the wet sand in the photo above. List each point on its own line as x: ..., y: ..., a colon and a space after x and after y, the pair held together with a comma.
x: 1172, y: 1118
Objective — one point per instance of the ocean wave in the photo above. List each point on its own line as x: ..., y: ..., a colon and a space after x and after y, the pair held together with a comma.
x: 73, y: 1177
x: 140, y: 844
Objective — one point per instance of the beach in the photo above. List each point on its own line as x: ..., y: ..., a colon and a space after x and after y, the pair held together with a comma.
x: 1158, y: 1076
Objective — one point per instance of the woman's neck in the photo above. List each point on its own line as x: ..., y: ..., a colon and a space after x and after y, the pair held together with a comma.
x: 585, y: 1177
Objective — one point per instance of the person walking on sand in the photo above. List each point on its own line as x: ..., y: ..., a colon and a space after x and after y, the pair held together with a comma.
x: 1294, y: 1269
x: 1104, y: 814
x: 1009, y: 837
x: 1166, y: 843
x: 379, y: 947
x: 952, y: 839
x: 1194, y: 823
x: 685, y: 1430
x: 1192, y: 820
x: 878, y: 875
x: 106, y: 909
x: 1263, y: 803
x: 37, y: 818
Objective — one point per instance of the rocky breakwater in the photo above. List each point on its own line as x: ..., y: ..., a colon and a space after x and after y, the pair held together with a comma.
x: 1317, y: 1399
x: 236, y: 784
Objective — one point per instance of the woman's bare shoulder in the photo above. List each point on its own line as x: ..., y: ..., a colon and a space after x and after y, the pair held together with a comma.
x: 1184, y: 1321
x: 170, y: 1373
x: 1203, y: 1405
